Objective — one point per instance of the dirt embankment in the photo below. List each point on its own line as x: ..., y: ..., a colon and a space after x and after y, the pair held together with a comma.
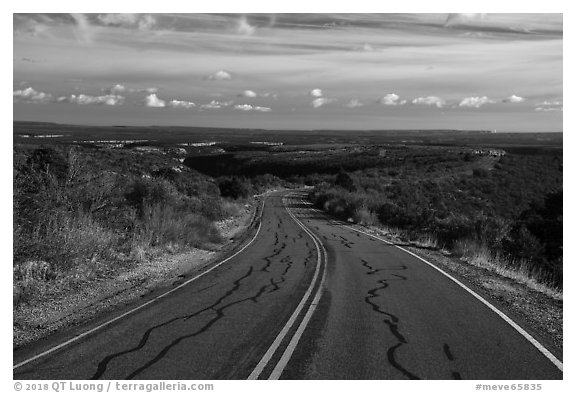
x: 32, y: 321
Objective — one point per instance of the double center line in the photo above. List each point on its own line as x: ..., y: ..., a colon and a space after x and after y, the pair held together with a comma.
x: 287, y: 339
x: 271, y: 353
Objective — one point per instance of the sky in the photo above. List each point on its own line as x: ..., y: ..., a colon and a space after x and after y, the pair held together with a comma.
x: 291, y: 71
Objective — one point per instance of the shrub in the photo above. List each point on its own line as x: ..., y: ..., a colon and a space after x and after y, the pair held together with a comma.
x: 235, y: 187
x: 345, y: 181
x: 164, y: 225
x: 480, y: 172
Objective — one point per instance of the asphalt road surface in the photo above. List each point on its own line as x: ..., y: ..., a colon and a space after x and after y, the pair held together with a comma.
x: 307, y: 298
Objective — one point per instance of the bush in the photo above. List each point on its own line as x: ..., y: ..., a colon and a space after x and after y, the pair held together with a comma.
x: 480, y: 172
x: 345, y: 181
x: 235, y: 187
x: 164, y: 225
x: 78, y: 215
x: 513, y: 210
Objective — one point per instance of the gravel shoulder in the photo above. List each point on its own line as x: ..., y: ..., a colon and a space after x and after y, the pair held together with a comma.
x: 33, y: 321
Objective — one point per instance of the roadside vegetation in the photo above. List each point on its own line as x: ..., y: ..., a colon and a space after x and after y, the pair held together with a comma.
x: 500, y: 209
x: 502, y: 214
x: 83, y: 214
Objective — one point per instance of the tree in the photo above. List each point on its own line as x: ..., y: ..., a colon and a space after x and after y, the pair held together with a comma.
x: 235, y: 187
x: 344, y: 180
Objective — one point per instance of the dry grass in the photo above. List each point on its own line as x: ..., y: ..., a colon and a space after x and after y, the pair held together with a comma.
x: 425, y: 241
x: 72, y: 249
x: 479, y: 255
x: 364, y: 216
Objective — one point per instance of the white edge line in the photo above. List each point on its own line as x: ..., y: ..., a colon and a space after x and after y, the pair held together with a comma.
x: 283, y: 362
x: 272, y: 350
x: 506, y: 318
x: 82, y: 335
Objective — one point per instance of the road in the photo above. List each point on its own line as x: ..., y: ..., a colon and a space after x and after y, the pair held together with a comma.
x: 307, y: 298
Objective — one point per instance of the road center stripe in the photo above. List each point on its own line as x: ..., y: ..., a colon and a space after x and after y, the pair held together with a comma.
x: 292, y: 345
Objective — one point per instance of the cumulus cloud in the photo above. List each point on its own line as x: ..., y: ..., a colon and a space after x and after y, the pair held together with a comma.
x: 430, y: 100
x: 220, y: 75
x: 392, y: 99
x: 318, y: 102
x: 153, y: 101
x: 31, y: 95
x: 316, y: 92
x: 84, y: 99
x: 248, y: 107
x: 139, y: 21
x: 216, y: 104
x: 117, y: 89
x: 211, y: 105
x: 249, y: 94
x: 475, y: 102
x: 274, y: 96
x: 355, y: 103
x: 514, y: 99
x: 262, y: 108
x: 181, y: 104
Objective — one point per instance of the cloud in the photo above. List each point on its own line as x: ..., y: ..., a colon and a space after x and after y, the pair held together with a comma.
x: 220, y: 76
x: 459, y: 19
x: 139, y: 21
x: 550, y: 103
x: 31, y: 95
x: 216, y: 104
x: 84, y: 30
x: 243, y: 27
x: 549, y: 109
x: 153, y: 101
x: 83, y: 99
x: 355, y: 103
x: 391, y: 99
x: 117, y: 89
x: 514, y: 99
x: 181, y: 104
x: 318, y: 102
x: 316, y: 92
x: 211, y: 105
x: 248, y: 107
x: 475, y: 102
x: 430, y: 100
x: 149, y: 90
x: 262, y: 109
x: 249, y: 94
x: 273, y: 95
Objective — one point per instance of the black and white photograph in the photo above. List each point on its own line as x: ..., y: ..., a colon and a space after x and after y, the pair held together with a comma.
x: 314, y: 196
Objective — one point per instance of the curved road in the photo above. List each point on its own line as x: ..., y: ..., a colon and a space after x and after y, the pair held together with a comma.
x: 308, y: 298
